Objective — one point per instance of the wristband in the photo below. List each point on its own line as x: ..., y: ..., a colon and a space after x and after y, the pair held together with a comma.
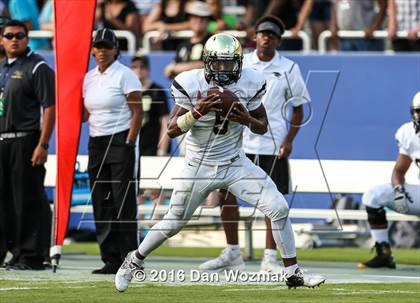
x: 186, y: 121
x: 44, y: 145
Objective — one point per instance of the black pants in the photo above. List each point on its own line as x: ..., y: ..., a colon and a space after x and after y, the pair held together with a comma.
x: 112, y: 180
x: 24, y: 212
x: 277, y: 169
x: 405, y: 45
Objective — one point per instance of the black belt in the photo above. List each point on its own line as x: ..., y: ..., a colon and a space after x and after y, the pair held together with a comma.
x: 13, y: 135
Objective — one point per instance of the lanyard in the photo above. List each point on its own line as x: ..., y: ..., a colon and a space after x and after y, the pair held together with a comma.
x: 7, y: 73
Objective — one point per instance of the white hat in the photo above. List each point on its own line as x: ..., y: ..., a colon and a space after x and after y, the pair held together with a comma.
x: 198, y: 8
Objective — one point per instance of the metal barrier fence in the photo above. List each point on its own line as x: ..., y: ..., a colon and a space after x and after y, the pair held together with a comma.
x: 127, y: 35
x: 325, y: 35
x: 306, y: 40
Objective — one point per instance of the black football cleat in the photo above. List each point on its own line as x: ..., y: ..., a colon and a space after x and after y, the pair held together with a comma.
x: 383, y: 258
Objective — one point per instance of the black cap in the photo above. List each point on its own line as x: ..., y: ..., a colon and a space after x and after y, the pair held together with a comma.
x: 271, y: 24
x: 105, y: 36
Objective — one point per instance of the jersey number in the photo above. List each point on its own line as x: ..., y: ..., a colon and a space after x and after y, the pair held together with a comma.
x: 220, y: 125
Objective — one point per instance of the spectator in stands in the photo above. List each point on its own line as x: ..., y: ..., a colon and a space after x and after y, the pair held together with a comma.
x: 189, y: 53
x: 3, y: 9
x: 285, y: 10
x: 167, y: 17
x: 220, y: 20
x: 46, y: 18
x: 26, y: 90
x: 27, y: 11
x: 112, y: 105
x: 247, y: 19
x: 154, y: 140
x: 358, y: 15
x: 404, y: 15
x: 319, y: 13
x: 118, y: 15
x: 144, y: 7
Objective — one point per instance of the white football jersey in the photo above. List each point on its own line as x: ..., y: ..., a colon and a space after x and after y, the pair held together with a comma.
x: 409, y: 142
x: 214, y: 140
x: 285, y: 88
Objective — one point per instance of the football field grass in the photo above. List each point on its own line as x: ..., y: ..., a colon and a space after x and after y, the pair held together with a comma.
x: 345, y: 254
x: 40, y: 291
x: 74, y: 282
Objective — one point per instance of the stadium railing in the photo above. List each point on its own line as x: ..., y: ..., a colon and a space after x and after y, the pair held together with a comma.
x: 306, y: 40
x: 308, y: 176
x: 325, y: 35
x: 127, y: 35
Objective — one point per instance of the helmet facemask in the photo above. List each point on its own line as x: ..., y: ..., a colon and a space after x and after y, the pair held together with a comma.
x: 223, y: 70
x: 415, y: 112
x: 415, y: 117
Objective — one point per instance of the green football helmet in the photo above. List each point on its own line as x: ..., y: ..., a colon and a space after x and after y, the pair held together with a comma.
x: 222, y: 57
x: 415, y: 111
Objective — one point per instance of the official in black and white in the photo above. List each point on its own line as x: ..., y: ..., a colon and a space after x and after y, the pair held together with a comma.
x: 26, y: 91
x: 112, y: 105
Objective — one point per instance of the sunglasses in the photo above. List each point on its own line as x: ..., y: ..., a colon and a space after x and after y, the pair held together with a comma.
x: 18, y: 36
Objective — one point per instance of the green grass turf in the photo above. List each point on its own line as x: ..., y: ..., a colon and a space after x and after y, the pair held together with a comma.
x: 43, y: 291
x: 402, y: 256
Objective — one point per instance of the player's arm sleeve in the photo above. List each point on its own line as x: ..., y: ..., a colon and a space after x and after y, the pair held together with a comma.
x: 255, y: 101
x: 181, y: 96
x: 297, y: 92
x: 44, y: 84
x: 401, y: 142
x: 130, y: 83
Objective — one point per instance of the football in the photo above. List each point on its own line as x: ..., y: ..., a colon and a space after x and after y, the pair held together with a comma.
x: 228, y: 99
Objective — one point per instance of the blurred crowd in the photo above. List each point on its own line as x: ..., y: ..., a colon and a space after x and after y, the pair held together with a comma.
x: 165, y: 17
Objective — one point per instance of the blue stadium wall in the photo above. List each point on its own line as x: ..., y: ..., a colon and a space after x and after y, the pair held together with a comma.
x: 358, y: 102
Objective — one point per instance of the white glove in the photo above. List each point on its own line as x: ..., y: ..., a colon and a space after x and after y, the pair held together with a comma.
x: 401, y: 199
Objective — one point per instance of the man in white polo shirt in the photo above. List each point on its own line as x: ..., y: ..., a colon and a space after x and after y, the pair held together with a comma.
x: 285, y: 89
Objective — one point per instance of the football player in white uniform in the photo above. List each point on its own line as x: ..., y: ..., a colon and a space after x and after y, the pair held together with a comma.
x: 285, y: 88
x: 214, y: 158
x: 399, y: 196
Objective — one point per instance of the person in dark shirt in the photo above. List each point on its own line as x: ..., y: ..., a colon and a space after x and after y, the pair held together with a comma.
x: 189, y: 53
x: 166, y: 17
x: 26, y: 88
x: 119, y: 15
x: 154, y: 140
x: 286, y: 10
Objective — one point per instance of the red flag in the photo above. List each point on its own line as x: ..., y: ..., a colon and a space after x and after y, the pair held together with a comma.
x: 73, y: 33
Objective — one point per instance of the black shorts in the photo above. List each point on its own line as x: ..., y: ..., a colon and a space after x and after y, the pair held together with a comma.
x: 277, y: 169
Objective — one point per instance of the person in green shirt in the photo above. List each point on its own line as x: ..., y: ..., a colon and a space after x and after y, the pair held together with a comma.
x: 220, y: 20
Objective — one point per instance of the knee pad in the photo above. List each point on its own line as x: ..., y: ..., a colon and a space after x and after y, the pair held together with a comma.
x: 376, y: 216
x: 278, y: 210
